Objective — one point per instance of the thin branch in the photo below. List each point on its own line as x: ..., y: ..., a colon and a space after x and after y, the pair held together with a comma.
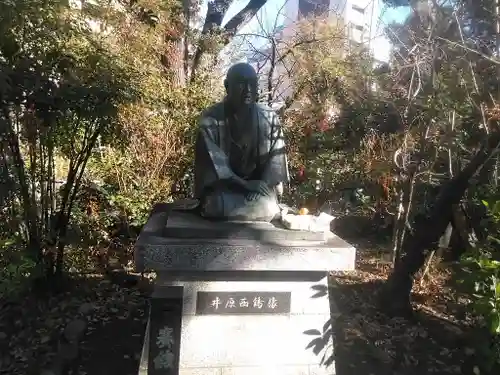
x: 215, y: 14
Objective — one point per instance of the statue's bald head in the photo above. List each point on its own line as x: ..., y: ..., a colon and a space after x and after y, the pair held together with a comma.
x: 241, y: 70
x: 241, y: 85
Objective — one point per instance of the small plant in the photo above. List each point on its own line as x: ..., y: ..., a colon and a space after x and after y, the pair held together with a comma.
x: 15, y: 268
x: 484, y: 274
x: 480, y: 277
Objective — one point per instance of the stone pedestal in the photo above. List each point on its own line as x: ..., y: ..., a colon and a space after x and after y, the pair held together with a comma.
x: 254, y: 296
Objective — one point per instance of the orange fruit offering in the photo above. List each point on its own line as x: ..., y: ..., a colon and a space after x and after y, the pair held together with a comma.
x: 303, y: 211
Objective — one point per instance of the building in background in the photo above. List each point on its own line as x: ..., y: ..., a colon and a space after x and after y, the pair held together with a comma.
x: 310, y: 8
x: 361, y: 19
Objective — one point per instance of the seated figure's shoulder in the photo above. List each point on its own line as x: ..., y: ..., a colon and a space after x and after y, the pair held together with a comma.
x: 266, y: 111
x: 212, y: 114
x: 264, y: 107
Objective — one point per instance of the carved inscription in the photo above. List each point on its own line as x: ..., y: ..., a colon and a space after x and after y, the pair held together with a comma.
x: 240, y: 303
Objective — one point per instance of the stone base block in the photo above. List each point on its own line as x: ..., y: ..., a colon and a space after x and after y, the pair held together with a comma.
x: 295, y: 342
x: 275, y: 348
x: 239, y: 342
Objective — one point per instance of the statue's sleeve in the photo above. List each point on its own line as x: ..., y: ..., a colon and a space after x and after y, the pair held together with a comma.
x: 211, y: 162
x: 275, y: 168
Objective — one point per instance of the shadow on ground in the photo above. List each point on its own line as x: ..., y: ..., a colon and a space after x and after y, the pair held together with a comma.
x: 31, y: 329
x: 369, y: 342
x: 114, y: 344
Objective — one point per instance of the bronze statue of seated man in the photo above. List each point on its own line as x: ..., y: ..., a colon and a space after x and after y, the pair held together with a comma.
x: 240, y: 158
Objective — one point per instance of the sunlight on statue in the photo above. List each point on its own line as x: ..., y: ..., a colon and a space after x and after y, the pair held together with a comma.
x: 240, y: 159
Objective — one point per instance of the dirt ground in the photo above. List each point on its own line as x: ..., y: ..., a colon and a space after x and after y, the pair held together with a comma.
x: 115, y: 316
x: 433, y: 341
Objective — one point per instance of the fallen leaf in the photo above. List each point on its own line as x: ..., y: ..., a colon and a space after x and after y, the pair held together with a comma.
x: 44, y: 339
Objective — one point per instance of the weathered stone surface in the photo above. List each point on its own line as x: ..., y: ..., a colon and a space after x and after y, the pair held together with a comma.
x: 239, y: 341
x: 191, y: 255
x: 249, y: 248
x: 164, y: 334
x: 189, y: 225
x: 291, y: 343
x: 143, y: 362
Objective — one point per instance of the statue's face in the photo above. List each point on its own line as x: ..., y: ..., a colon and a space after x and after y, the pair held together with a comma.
x: 241, y: 85
x: 242, y: 92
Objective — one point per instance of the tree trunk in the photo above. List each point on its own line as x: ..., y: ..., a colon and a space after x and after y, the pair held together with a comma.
x: 395, y: 295
x: 174, y: 62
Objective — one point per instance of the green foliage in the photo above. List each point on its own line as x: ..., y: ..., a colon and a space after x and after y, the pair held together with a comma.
x: 332, y: 122
x: 159, y: 151
x: 70, y: 81
x: 64, y: 87
x: 485, y: 273
x: 15, y: 269
x: 158, y: 131
x: 104, y: 222
x: 479, y: 278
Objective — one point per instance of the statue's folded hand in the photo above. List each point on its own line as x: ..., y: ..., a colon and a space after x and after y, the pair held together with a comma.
x: 252, y: 196
x: 257, y: 187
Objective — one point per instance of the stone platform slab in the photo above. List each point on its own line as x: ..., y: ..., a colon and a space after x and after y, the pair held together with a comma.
x: 267, y: 250
x: 167, y: 222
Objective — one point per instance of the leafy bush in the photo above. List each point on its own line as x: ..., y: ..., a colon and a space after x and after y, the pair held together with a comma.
x: 331, y: 126
x: 479, y: 277
x: 15, y: 269
x: 156, y: 147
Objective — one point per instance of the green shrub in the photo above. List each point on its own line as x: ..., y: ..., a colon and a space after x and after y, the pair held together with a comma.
x: 479, y: 278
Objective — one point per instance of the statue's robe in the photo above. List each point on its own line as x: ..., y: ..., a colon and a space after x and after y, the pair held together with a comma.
x: 251, y: 147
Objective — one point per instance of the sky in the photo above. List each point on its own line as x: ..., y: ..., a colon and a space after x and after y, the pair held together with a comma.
x: 274, y: 9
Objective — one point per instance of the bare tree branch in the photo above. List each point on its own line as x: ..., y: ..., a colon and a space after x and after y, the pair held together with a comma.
x: 215, y: 14
x: 243, y: 16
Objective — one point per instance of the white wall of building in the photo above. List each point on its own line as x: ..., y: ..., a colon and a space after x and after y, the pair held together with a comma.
x: 360, y: 17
